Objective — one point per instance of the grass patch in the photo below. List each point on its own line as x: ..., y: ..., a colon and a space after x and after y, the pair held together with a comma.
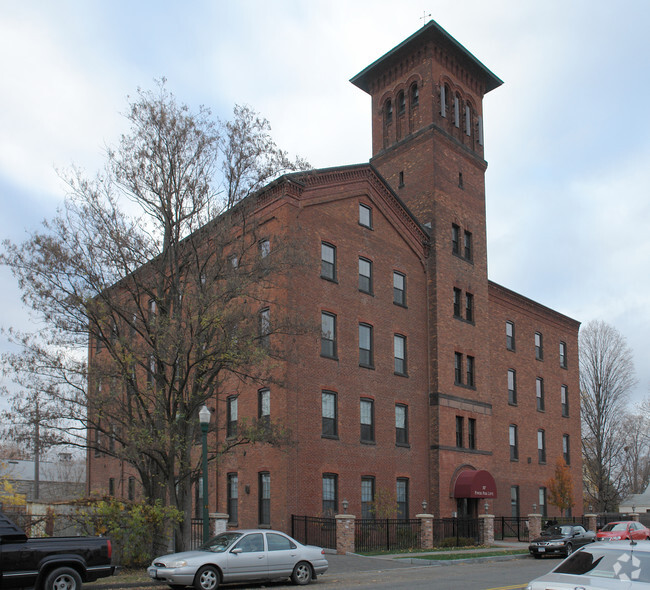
x: 463, y: 555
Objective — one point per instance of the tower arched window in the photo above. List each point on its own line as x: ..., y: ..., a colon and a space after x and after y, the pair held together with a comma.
x: 468, y: 119
x: 457, y: 110
x: 444, y: 100
x: 388, y: 112
x: 415, y: 95
x: 401, y: 103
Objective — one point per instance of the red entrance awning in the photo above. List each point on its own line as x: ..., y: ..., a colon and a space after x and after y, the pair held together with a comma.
x: 475, y: 484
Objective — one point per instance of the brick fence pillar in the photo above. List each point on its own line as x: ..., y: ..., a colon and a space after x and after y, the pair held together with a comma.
x: 534, y: 526
x: 344, y: 533
x: 218, y: 522
x: 592, y: 522
x: 426, y: 530
x: 486, y: 529
x: 634, y: 516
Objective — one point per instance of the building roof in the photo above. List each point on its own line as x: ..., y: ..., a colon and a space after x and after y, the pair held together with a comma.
x: 434, y: 32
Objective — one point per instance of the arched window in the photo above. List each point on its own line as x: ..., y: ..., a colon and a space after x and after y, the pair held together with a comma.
x: 444, y: 100
x: 468, y: 120
x: 401, y: 103
x: 388, y: 112
x: 415, y: 95
x: 457, y: 110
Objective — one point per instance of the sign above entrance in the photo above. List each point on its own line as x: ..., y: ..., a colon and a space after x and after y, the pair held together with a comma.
x: 475, y: 484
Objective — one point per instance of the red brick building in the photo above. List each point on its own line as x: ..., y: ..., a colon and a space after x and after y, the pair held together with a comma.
x: 429, y: 383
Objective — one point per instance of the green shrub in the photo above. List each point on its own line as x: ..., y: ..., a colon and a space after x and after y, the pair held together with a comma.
x: 135, y: 528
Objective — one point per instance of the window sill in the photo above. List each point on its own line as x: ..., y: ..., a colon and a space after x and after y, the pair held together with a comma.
x: 368, y: 442
x: 400, y: 374
x: 371, y: 367
x: 403, y: 445
x: 327, y: 356
x: 329, y: 280
x: 400, y: 304
x: 513, y: 404
x: 330, y: 436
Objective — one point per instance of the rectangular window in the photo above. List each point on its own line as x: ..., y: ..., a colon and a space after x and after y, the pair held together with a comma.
x: 111, y: 486
x: 539, y: 393
x: 231, y: 411
x: 539, y: 347
x: 265, y: 247
x: 367, y: 420
x: 566, y: 449
x: 131, y: 488
x: 151, y: 371
x: 541, y: 446
x: 514, y: 501
x: 510, y: 335
x: 512, y: 387
x: 563, y: 361
x: 542, y: 501
x: 455, y: 238
x: 399, y: 351
x: 402, y: 493
x: 467, y: 245
x: 365, y: 345
x: 232, y: 493
x: 265, y: 327
x: 264, y: 406
x: 365, y: 216
x: 514, y: 443
x: 457, y: 297
x: 328, y: 335
x: 329, y: 413
x: 401, y: 424
x: 459, y: 431
x: 564, y: 400
x: 327, y: 261
x: 365, y: 275
x: 470, y: 371
x: 471, y: 433
x: 330, y: 495
x: 469, y: 307
x: 399, y: 289
x: 458, y: 368
x: 367, y: 497
x: 264, y: 498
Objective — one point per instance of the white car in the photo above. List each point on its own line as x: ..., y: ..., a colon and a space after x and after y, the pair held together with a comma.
x: 619, y: 565
x: 240, y: 556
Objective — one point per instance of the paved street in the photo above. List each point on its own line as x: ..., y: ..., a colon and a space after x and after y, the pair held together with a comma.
x: 355, y: 572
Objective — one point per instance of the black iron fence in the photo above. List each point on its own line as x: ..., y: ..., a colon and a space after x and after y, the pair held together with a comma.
x: 511, y: 527
x: 455, y: 531
x: 311, y: 530
x: 386, y: 534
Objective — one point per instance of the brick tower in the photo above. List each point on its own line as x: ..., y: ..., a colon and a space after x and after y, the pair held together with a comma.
x: 427, y: 142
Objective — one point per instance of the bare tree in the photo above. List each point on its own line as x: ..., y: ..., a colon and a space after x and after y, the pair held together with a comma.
x: 175, y: 303
x: 635, y: 467
x: 606, y: 377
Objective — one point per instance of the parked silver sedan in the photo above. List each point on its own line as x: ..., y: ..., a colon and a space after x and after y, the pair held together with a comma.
x: 619, y: 565
x: 240, y: 556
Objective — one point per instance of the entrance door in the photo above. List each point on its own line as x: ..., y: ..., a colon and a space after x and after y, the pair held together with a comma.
x: 467, y: 507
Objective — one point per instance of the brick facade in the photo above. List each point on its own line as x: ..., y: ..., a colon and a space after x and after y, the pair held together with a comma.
x: 425, y: 191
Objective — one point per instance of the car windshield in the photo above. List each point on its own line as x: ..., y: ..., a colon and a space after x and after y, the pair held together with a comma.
x: 615, y: 526
x: 557, y: 530
x: 621, y: 564
x: 220, y: 543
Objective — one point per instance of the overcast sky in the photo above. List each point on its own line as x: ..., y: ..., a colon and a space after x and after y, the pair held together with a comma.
x: 566, y: 137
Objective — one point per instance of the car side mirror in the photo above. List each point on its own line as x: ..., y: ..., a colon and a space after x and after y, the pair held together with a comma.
x: 236, y: 550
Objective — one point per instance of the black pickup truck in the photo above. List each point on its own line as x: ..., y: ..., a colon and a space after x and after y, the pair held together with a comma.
x: 51, y: 563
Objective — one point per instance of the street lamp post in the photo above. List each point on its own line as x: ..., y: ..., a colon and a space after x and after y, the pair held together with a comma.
x: 204, y: 419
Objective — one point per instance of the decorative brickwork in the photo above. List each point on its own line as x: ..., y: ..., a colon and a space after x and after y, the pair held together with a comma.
x: 344, y: 533
x: 426, y: 530
x: 486, y: 529
x: 534, y: 526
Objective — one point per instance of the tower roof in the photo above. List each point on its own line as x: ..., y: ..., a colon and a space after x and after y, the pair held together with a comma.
x: 432, y: 31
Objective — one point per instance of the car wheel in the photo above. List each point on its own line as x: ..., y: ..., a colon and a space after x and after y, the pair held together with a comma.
x: 569, y: 549
x: 63, y: 578
x: 301, y: 574
x: 207, y: 578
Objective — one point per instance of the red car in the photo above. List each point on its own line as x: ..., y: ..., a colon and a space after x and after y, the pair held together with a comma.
x: 624, y: 529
